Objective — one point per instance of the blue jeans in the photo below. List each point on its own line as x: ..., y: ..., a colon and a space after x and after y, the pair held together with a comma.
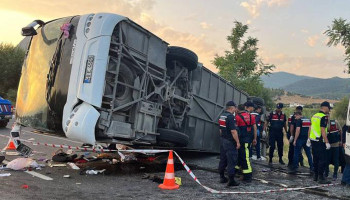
x: 257, y: 146
x: 346, y: 174
x: 301, y: 143
x: 228, y: 157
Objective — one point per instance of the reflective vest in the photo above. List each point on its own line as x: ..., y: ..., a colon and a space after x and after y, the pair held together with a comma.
x: 245, y: 127
x: 315, y: 133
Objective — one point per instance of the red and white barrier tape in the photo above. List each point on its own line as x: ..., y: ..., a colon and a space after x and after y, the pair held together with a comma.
x: 152, y: 151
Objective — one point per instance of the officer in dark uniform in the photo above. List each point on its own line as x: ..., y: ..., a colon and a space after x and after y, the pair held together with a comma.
x: 302, y: 126
x: 290, y: 136
x: 247, y: 133
x: 229, y: 144
x: 334, y: 138
x: 249, y: 108
x: 319, y: 142
x: 260, y: 127
x: 277, y: 121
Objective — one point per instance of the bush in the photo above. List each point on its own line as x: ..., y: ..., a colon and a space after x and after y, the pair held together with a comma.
x: 11, y: 60
x: 340, y: 109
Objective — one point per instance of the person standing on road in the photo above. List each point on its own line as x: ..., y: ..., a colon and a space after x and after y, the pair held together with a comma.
x: 277, y: 121
x: 259, y: 132
x: 302, y: 126
x: 319, y: 142
x: 247, y: 130
x: 229, y: 144
x: 290, y: 136
x: 249, y: 108
x: 334, y: 138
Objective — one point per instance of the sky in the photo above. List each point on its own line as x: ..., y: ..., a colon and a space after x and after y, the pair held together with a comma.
x: 290, y: 32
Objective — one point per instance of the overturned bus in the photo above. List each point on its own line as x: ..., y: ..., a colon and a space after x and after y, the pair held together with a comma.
x: 103, y: 78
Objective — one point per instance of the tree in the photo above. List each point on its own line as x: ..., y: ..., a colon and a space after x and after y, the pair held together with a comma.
x: 241, y: 66
x: 339, y: 33
x: 11, y: 60
x: 341, y: 109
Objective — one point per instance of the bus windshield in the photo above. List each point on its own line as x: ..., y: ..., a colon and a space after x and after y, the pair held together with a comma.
x: 32, y: 108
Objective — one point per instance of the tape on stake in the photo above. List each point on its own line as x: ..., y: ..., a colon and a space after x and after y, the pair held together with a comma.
x: 152, y: 151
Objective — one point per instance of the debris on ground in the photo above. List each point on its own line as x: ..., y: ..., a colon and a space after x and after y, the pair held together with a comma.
x: 178, y: 181
x: 10, y: 153
x: 108, y: 156
x: 94, y: 172
x: 53, y: 164
x: 66, y: 176
x: 22, y: 163
x: 153, y: 178
x: 61, y: 156
x: 73, y: 166
x: 25, y: 186
x: 6, y: 174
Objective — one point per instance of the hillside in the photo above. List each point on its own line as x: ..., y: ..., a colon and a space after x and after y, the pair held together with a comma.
x: 302, y: 100
x: 280, y: 79
x: 333, y: 88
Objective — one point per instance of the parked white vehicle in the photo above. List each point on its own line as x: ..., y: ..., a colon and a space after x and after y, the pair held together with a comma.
x: 347, y: 144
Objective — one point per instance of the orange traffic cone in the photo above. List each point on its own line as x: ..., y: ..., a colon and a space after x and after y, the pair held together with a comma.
x: 11, y: 145
x: 169, y: 177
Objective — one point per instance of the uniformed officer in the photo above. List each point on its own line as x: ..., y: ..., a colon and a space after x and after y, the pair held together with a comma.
x: 247, y: 130
x: 302, y: 126
x: 249, y: 108
x: 319, y: 142
x: 229, y: 144
x: 334, y: 135
x: 290, y: 136
x: 277, y: 121
x: 259, y: 131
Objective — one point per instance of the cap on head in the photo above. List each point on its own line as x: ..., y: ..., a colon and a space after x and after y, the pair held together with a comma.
x: 230, y: 103
x: 279, y: 106
x: 326, y: 104
x: 299, y: 108
x: 249, y: 104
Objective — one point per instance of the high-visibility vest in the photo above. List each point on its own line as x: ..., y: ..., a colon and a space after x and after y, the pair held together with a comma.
x: 315, y: 133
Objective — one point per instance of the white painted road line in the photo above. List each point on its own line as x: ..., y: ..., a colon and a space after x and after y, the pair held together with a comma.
x: 39, y: 175
x: 36, y: 174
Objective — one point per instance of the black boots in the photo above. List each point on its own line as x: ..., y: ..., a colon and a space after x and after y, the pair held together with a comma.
x: 281, y: 162
x: 323, y: 180
x: 232, y: 182
x: 223, y: 179
x: 315, y: 177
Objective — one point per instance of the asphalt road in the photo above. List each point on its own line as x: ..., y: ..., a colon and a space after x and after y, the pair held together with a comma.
x: 126, y: 180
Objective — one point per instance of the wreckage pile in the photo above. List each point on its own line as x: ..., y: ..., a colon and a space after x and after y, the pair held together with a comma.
x: 86, y: 162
